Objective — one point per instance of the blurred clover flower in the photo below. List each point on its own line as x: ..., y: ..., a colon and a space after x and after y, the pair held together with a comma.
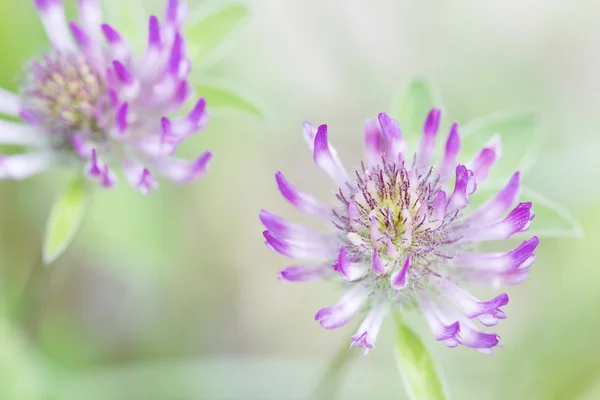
x: 404, y: 234
x: 91, y: 102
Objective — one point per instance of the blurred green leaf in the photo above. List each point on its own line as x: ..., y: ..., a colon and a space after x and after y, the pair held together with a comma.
x: 551, y: 219
x: 329, y: 385
x: 416, y: 366
x: 413, y: 105
x: 65, y: 218
x: 23, y: 374
x: 213, y: 32
x: 518, y: 132
x: 223, y: 96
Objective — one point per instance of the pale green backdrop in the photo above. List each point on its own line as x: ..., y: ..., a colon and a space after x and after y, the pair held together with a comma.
x: 174, y: 296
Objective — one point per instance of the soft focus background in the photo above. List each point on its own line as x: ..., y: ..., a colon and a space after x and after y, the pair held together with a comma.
x: 174, y: 296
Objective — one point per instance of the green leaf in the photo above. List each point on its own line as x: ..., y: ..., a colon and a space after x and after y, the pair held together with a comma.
x: 421, y: 380
x: 518, y: 132
x: 413, y: 106
x: 23, y: 372
x: 551, y: 219
x: 223, y: 96
x: 211, y: 34
x: 65, y: 218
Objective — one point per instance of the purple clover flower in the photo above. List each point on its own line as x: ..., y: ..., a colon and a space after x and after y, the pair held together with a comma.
x: 92, y: 102
x: 404, y: 234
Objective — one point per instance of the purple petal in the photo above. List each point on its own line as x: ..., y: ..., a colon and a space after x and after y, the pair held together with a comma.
x: 369, y: 329
x: 325, y: 159
x: 488, y: 312
x: 303, y: 273
x: 442, y: 329
x: 399, y: 280
x: 176, y: 55
x: 146, y: 182
x: 373, y: 142
x: 501, y: 203
x: 44, y: 5
x: 121, y: 118
x: 154, y: 33
x: 450, y: 158
x: 377, y: 264
x: 301, y: 201
x: 297, y: 250
x: 458, y: 199
x: 340, y: 314
x: 195, y: 120
x: 392, y: 134
x: 430, y: 129
x: 290, y: 231
x: 79, y: 35
x: 122, y: 73
x: 112, y: 36
x: 375, y: 234
x: 181, y: 171
x: 521, y: 257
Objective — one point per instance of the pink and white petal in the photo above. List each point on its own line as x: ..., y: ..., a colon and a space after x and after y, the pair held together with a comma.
x: 519, y: 220
x: 118, y: 47
x: 22, y: 134
x: 349, y: 270
x: 304, y: 273
x: 291, y: 231
x: 470, y: 335
x: 374, y: 149
x: 487, y: 157
x: 368, y: 330
x: 298, y: 250
x: 90, y: 17
x: 488, y: 312
x: 340, y: 314
x: 450, y: 158
x: 442, y: 328
x: 325, y: 158
x: 427, y: 144
x: 377, y: 264
x: 182, y: 171
x: 52, y: 15
x: 497, y: 280
x: 501, y: 203
x: 175, y: 13
x: 399, y: 279
x: 392, y: 134
x: 139, y: 176
x: 521, y: 257
x: 23, y: 166
x: 10, y: 103
x: 302, y: 201
x: 458, y: 200
x: 196, y: 119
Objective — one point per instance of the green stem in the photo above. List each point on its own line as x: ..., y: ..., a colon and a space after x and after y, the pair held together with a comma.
x: 329, y: 385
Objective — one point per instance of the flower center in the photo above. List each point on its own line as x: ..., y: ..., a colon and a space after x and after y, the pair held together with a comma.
x: 67, y: 96
x: 395, y: 211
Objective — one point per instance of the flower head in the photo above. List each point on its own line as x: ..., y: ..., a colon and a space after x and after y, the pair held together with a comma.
x: 404, y: 234
x: 92, y: 102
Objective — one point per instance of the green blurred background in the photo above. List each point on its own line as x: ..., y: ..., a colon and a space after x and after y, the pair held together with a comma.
x: 174, y: 296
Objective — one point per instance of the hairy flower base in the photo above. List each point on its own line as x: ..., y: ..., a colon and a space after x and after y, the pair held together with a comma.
x: 91, y: 101
x: 404, y: 235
